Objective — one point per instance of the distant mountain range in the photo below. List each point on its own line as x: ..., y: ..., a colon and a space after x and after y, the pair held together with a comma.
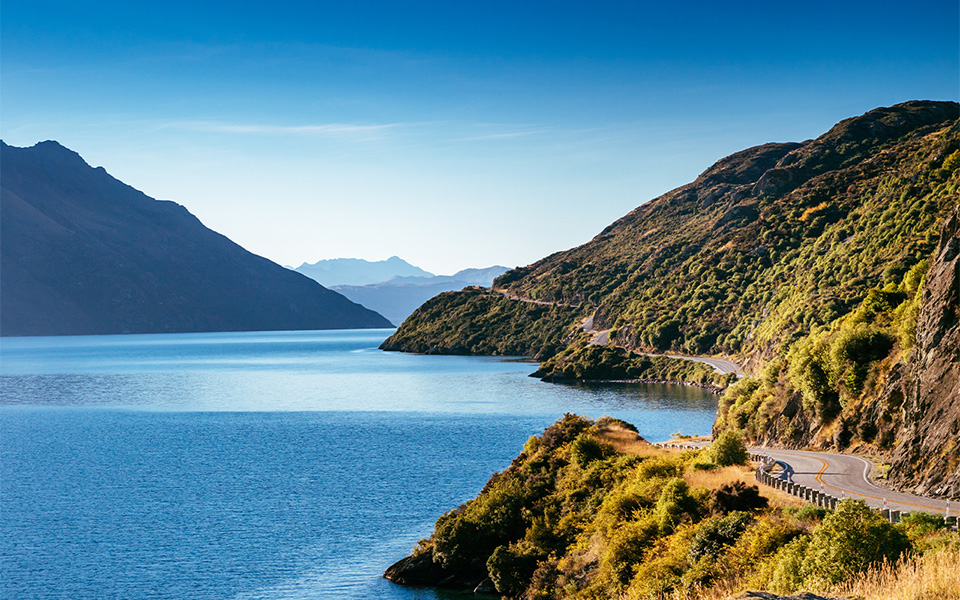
x: 356, y: 271
x: 398, y: 297
x: 84, y: 253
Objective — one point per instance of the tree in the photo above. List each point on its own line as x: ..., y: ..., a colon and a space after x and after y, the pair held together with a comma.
x: 851, y: 539
x: 728, y: 449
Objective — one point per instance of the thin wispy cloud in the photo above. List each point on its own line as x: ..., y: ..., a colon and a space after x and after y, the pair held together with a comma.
x: 338, y: 130
x: 501, y: 136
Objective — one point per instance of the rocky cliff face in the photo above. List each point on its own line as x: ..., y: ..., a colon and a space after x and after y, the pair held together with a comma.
x: 927, y: 458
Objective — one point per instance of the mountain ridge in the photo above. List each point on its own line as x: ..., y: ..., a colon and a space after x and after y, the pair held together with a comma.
x: 358, y: 271
x: 399, y: 296
x: 817, y: 246
x: 84, y: 253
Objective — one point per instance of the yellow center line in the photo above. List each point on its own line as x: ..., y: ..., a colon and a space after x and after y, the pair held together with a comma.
x: 819, y: 478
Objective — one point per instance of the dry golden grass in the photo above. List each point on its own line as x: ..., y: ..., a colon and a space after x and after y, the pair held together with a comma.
x: 628, y: 442
x: 719, y: 477
x: 933, y: 576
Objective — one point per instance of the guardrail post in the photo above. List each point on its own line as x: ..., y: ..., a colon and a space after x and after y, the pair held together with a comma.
x: 951, y: 522
x: 833, y: 503
x: 894, y: 516
x: 885, y: 513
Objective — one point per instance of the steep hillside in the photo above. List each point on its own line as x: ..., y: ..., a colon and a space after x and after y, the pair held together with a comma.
x: 885, y: 378
x: 589, y: 511
x: 802, y: 261
x: 83, y: 253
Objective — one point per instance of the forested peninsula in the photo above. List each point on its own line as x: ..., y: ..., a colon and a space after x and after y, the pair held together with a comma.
x: 589, y: 511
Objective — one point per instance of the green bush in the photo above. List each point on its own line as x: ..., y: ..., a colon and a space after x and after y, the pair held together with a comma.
x: 917, y: 524
x: 511, y: 569
x: 717, y: 533
x: 787, y: 566
x: 626, y: 546
x: 675, y: 505
x: 586, y: 449
x: 850, y: 540
x: 728, y: 449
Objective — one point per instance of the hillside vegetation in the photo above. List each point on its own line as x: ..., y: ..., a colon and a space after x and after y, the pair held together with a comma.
x: 590, y: 511
x: 807, y: 263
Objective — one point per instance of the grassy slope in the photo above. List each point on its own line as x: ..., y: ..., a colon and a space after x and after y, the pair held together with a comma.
x: 590, y: 511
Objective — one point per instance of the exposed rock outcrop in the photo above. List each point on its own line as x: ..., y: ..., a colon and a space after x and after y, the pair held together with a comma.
x: 420, y: 569
x: 928, y: 455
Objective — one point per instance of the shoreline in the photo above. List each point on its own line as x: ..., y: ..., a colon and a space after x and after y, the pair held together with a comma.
x: 713, y: 389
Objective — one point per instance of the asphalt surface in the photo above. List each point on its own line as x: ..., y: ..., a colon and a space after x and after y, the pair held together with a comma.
x: 601, y: 338
x: 842, y: 475
x: 720, y: 365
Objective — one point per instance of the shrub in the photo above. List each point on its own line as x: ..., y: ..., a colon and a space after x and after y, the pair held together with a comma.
x: 809, y: 512
x: 851, y: 539
x: 716, y: 533
x: 626, y: 547
x: 787, y: 566
x: 728, y: 449
x: 511, y: 568
x: 476, y: 529
x: 674, y: 505
x: 586, y: 449
x: 736, y: 497
x: 917, y: 524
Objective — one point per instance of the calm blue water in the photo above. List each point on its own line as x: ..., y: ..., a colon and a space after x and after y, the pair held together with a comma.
x: 287, y: 465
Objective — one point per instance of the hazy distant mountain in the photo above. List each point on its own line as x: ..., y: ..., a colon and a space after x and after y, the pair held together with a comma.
x: 397, y: 298
x: 481, y: 277
x: 83, y: 253
x: 356, y: 271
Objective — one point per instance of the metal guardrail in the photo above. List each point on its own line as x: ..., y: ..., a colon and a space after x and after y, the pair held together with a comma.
x: 808, y: 494
x: 818, y: 497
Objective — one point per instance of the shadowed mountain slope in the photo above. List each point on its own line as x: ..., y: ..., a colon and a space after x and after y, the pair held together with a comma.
x: 83, y: 253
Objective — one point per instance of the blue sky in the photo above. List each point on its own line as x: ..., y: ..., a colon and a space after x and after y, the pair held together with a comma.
x: 453, y: 134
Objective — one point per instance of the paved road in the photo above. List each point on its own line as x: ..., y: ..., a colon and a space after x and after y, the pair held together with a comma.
x: 845, y: 475
x: 719, y: 365
x: 507, y: 294
x: 601, y: 338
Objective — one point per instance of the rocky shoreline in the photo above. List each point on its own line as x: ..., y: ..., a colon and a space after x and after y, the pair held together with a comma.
x: 713, y: 389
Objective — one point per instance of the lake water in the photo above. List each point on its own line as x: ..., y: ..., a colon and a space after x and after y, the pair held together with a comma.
x: 277, y: 465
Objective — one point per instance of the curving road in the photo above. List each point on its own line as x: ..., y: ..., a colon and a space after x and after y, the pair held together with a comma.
x: 847, y: 476
x: 719, y: 365
x: 601, y: 338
